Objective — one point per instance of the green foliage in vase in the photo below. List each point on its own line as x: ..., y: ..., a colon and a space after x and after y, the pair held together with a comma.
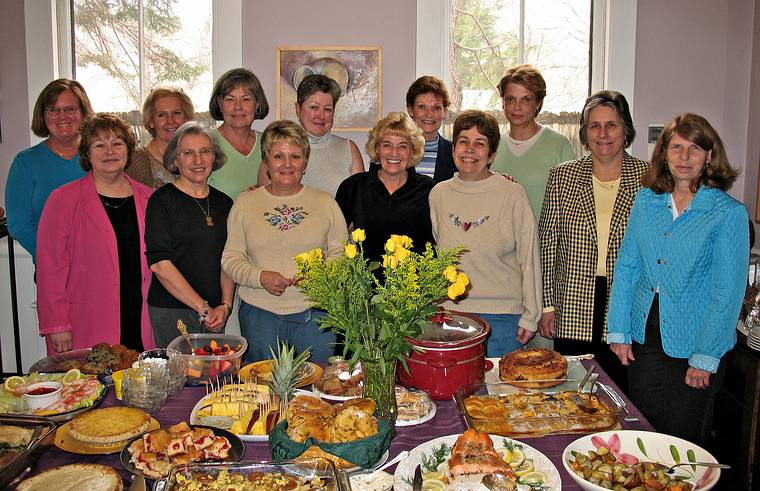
x: 376, y: 313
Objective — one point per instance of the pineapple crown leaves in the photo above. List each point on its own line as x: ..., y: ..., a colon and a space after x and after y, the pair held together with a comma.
x: 286, y: 369
x: 376, y: 314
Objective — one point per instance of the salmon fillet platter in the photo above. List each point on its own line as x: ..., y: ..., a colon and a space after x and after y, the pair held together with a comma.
x: 462, y: 462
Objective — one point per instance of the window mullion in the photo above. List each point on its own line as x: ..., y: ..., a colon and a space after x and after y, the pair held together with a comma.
x: 521, y: 40
x: 141, y: 48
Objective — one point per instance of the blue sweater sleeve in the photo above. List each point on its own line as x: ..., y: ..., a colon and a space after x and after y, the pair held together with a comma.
x: 628, y: 270
x: 22, y: 221
x: 730, y: 257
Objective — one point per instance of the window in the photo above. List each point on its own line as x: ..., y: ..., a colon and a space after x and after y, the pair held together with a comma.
x: 489, y: 36
x: 123, y: 48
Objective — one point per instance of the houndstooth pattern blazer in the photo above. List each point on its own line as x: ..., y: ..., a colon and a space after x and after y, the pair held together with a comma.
x: 567, y: 231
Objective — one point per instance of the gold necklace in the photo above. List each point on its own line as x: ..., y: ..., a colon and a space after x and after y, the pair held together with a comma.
x: 206, y: 211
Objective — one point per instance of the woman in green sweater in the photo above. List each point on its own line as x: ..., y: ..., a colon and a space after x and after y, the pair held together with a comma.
x: 528, y: 150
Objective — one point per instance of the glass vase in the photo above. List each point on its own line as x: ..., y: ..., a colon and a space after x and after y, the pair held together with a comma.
x: 379, y: 377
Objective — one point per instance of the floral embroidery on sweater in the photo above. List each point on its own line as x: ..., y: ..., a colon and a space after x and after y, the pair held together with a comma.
x: 285, y: 217
x: 467, y: 225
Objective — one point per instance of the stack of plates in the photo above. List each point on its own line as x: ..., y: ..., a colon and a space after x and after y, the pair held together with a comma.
x: 753, y: 338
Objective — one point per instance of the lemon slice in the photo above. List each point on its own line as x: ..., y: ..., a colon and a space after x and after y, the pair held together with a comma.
x: 71, y: 376
x: 518, y: 457
x: 433, y: 486
x: 534, y: 477
x: 524, y: 468
x: 12, y: 382
x: 505, y: 454
x: 432, y: 476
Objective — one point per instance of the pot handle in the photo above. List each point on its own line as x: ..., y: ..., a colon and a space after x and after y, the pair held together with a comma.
x: 489, y: 365
x: 442, y: 362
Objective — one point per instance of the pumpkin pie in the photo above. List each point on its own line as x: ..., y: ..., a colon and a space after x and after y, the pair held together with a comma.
x: 74, y: 477
x: 109, y: 426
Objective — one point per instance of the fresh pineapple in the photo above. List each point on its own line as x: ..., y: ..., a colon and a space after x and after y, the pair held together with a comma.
x: 285, y: 372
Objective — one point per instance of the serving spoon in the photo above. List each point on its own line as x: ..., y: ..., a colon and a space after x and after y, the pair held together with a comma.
x: 395, y: 460
x: 714, y: 465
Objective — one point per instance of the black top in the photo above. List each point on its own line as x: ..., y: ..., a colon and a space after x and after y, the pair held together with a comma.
x: 444, y: 161
x: 368, y: 205
x: 176, y: 229
x: 123, y: 216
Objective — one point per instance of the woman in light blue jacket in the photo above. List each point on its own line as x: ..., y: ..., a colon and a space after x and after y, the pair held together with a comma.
x: 680, y: 279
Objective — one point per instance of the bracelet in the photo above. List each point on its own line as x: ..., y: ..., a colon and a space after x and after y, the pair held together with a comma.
x: 229, y: 307
x: 204, y: 313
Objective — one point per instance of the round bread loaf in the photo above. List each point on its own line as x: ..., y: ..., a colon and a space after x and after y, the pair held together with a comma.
x: 532, y: 368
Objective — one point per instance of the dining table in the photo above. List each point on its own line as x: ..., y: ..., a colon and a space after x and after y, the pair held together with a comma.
x: 447, y: 421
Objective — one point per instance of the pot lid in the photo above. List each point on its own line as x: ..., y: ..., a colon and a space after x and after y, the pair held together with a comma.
x: 452, y: 328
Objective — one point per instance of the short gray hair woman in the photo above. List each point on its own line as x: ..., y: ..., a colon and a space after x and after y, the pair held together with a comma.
x: 578, y: 260
x: 185, y: 232
x: 332, y: 158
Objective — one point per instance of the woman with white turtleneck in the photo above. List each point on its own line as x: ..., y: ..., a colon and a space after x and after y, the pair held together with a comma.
x: 332, y: 158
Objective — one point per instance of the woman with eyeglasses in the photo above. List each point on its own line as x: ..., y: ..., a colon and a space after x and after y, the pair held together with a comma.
x: 185, y: 232
x: 37, y: 171
x: 680, y: 279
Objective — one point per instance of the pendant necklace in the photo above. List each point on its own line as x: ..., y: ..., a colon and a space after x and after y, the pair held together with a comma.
x: 206, y: 211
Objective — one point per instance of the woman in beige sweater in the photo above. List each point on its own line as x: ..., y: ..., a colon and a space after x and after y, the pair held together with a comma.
x: 492, y: 217
x: 266, y: 228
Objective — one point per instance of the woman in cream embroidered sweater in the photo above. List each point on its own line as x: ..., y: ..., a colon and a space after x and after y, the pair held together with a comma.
x: 492, y: 217
x: 266, y: 228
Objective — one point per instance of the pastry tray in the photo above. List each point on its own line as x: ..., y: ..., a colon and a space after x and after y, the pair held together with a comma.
x: 518, y: 415
x: 41, y: 440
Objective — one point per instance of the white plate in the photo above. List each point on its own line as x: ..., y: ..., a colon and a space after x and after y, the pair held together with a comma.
x: 414, y: 422
x: 405, y: 470
x: 329, y: 397
x: 195, y: 420
x: 575, y: 373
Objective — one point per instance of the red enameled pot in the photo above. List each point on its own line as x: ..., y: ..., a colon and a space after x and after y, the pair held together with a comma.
x: 452, y: 354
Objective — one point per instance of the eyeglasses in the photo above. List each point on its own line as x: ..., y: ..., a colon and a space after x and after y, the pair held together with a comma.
x: 191, y: 154
x: 691, y: 150
x: 56, y: 111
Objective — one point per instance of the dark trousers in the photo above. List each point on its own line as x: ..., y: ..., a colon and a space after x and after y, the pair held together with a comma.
x: 603, y: 355
x: 658, y: 387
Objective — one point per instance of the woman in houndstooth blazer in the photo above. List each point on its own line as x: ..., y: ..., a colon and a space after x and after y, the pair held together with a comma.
x: 583, y: 218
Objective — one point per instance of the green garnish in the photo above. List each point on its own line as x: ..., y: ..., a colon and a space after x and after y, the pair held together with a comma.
x: 436, y: 458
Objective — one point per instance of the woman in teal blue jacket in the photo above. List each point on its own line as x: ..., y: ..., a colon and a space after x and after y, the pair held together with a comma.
x: 680, y: 279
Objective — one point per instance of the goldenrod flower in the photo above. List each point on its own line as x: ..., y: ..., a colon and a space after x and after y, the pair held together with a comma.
x: 390, y: 245
x: 450, y: 273
x: 455, y: 289
x: 303, y: 257
x: 358, y: 235
x: 350, y: 251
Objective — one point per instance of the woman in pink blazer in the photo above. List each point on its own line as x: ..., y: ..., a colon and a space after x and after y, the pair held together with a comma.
x: 92, y: 276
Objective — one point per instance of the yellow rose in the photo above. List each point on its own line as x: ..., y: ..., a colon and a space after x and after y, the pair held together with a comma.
x: 462, y: 279
x: 401, y: 254
x: 450, y: 273
x: 390, y: 245
x: 401, y: 240
x: 358, y: 235
x: 455, y: 289
x: 349, y: 250
x: 390, y: 261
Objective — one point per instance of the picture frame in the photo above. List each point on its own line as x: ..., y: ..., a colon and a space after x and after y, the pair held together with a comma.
x: 357, y: 69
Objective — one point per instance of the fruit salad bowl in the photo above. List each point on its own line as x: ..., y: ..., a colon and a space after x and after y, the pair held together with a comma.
x: 209, y: 356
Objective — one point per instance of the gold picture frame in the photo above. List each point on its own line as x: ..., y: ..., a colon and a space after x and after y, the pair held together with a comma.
x: 357, y: 69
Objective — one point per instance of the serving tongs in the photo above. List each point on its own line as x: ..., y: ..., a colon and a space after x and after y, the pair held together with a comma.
x: 577, y: 399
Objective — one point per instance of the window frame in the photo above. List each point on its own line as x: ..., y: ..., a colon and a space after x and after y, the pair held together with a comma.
x: 613, y: 43
x: 48, y: 42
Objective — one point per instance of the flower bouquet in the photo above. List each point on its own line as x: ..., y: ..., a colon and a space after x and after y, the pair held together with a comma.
x: 376, y: 307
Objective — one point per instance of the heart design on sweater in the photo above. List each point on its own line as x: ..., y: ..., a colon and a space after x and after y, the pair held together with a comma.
x: 467, y: 225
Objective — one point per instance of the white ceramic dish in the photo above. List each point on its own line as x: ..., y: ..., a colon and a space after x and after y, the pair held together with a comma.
x: 646, y: 446
x: 42, y: 401
x: 405, y: 470
x: 329, y: 397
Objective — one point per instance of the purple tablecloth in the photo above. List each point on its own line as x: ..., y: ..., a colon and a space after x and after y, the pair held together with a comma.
x: 446, y: 422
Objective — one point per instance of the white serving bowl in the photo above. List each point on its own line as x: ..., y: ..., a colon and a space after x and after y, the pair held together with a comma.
x: 646, y: 446
x: 43, y: 400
